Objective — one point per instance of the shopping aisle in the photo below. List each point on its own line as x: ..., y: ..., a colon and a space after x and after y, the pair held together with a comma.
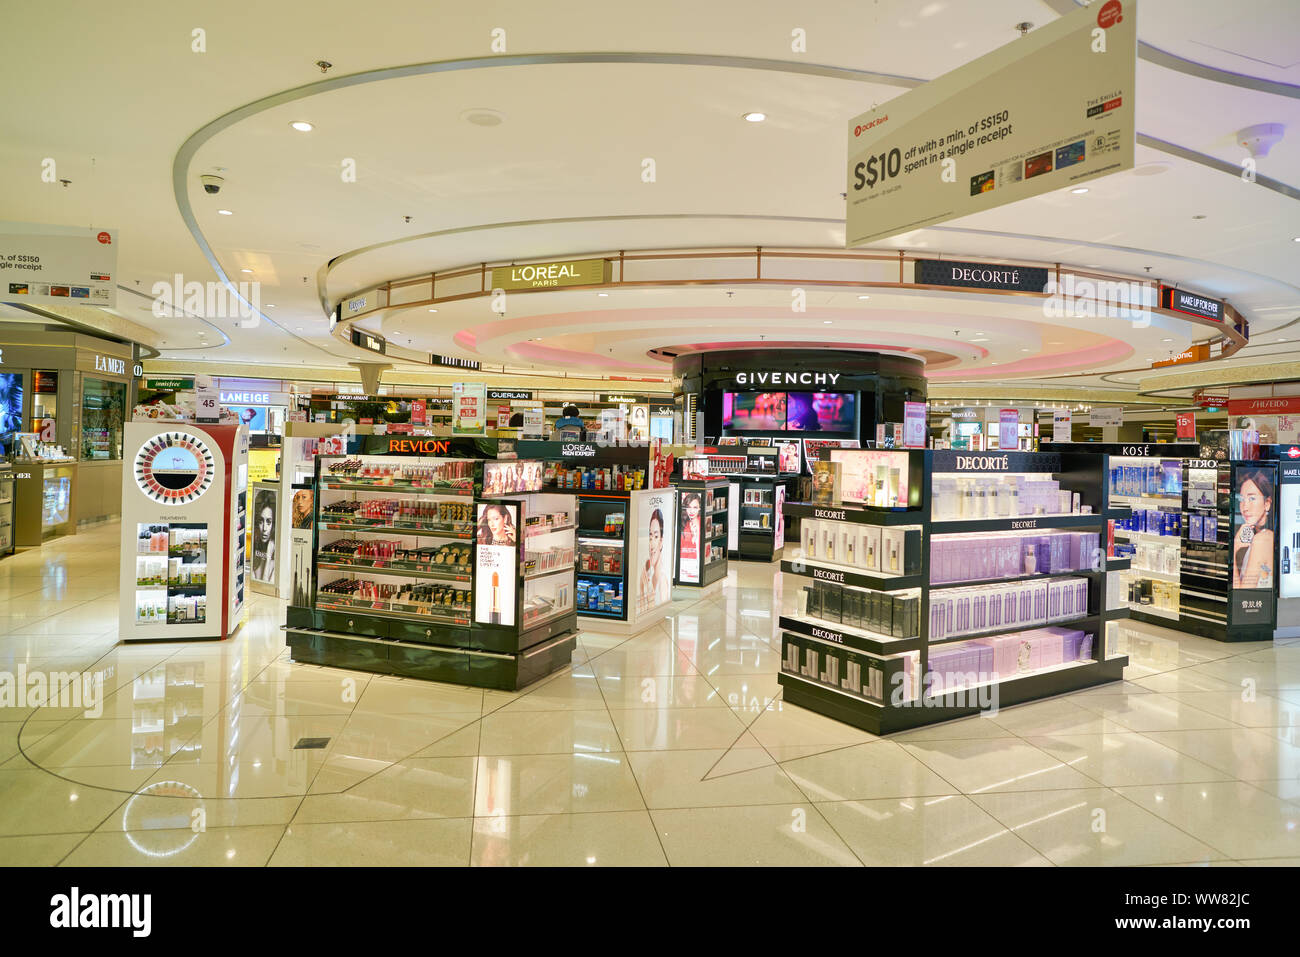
x: 671, y: 747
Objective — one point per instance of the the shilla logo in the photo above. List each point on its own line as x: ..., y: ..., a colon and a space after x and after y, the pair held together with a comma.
x: 74, y: 910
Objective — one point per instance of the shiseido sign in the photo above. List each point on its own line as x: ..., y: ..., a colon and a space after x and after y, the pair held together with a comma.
x: 983, y: 463
x: 948, y: 272
x: 787, y: 378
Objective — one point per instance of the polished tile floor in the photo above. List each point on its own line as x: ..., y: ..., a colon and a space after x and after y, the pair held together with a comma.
x: 669, y: 747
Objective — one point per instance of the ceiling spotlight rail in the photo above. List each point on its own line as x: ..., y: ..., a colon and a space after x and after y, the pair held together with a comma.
x: 885, y: 270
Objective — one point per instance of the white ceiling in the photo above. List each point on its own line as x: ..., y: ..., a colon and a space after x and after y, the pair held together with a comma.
x: 571, y: 148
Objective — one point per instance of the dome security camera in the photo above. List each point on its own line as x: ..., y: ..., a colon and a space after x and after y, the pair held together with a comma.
x: 1260, y: 138
x: 211, y: 184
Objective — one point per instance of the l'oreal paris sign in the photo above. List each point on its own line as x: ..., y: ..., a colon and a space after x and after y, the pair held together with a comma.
x: 787, y: 378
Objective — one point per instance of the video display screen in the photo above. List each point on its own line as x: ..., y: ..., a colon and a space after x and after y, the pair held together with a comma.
x: 11, y: 409
x: 753, y: 411
x: 820, y: 412
x: 253, y: 416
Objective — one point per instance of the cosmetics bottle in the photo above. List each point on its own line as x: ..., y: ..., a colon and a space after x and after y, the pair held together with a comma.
x: 495, y: 615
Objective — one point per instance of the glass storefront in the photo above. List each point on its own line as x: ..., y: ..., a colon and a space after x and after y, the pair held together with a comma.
x: 103, y: 410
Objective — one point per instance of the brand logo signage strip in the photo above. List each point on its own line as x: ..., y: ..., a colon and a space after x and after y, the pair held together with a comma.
x: 575, y: 272
x: 1191, y: 304
x: 972, y: 275
x: 787, y: 378
x: 1273, y: 405
x: 453, y: 362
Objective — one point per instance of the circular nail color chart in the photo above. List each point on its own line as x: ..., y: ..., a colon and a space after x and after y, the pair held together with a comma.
x: 174, y: 468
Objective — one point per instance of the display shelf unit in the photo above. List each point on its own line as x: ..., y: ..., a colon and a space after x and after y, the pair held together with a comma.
x: 479, y: 591
x: 184, y: 523
x: 961, y: 646
x: 702, y: 532
x: 6, y: 511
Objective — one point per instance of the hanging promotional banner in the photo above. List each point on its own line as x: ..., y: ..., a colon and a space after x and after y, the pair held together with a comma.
x: 1186, y: 425
x: 1288, y: 582
x: 914, y: 425
x: 469, y: 408
x: 534, y: 424
x: 57, y: 265
x: 495, y: 570
x: 1052, y: 109
x: 692, y: 542
x: 1062, y: 425
x: 1103, y: 418
x: 1009, y: 429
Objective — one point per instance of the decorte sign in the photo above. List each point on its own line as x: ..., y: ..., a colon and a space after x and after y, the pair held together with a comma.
x: 573, y: 272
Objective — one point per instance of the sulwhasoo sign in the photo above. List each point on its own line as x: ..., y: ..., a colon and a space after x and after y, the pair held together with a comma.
x: 787, y: 378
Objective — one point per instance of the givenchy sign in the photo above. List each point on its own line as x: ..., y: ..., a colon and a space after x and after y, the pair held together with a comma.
x: 787, y: 378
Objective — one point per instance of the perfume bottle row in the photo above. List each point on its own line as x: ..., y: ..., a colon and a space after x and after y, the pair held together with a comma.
x: 389, y: 511
x: 880, y: 680
x: 1155, y: 557
x: 963, y: 611
x: 893, y: 615
x: 544, y: 560
x: 188, y: 543
x: 895, y: 550
x: 151, y: 539
x: 613, y: 524
x: 421, y: 597
x: 606, y: 597
x: 605, y: 559
x: 967, y: 557
x: 546, y: 522
x: 1146, y: 592
x: 448, y: 556
x: 1152, y: 521
x: 999, y: 657
x: 1001, y: 496
x: 187, y: 609
x: 617, y: 478
x: 1203, y: 528
x: 715, y: 552
x: 1163, y: 478
x: 455, y: 472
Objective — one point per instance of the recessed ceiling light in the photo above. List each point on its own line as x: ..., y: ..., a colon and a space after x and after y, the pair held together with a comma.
x: 302, y: 126
x: 1199, y: 216
x: 300, y: 328
x: 1296, y: 240
x: 1166, y: 340
x: 864, y: 297
x: 270, y: 305
x: 480, y: 116
x: 225, y: 212
x: 1024, y: 350
x: 1079, y: 189
x: 245, y: 270
x: 433, y: 310
x: 603, y: 294
x: 755, y: 117
x: 826, y: 322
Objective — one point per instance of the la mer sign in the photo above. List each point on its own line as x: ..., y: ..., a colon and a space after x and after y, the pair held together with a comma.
x: 110, y: 365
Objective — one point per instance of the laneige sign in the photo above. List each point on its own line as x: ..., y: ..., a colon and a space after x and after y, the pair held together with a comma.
x: 787, y: 378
